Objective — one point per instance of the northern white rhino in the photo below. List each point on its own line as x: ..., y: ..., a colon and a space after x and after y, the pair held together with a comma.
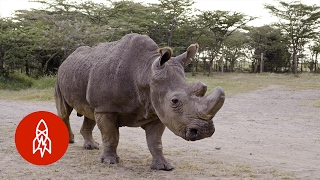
x: 131, y: 82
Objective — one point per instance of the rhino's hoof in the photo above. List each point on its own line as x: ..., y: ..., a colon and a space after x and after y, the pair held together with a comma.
x: 71, y: 138
x: 110, y: 160
x: 162, y: 166
x: 91, y: 145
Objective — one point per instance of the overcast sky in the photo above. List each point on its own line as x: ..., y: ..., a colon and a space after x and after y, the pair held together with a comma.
x: 248, y: 7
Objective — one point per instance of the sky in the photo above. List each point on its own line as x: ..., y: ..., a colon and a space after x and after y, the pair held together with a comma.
x: 249, y: 7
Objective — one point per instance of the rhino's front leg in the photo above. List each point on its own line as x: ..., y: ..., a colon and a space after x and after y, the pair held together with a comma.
x: 108, y: 126
x: 154, y: 131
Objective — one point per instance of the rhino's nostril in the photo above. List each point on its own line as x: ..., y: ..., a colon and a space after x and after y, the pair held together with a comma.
x: 193, y: 133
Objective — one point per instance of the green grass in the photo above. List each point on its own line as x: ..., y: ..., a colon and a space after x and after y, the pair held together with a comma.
x: 16, y: 81
x: 21, y: 87
x: 235, y: 83
x: 317, y: 104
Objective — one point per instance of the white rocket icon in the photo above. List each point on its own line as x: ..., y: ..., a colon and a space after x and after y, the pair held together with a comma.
x: 42, y: 141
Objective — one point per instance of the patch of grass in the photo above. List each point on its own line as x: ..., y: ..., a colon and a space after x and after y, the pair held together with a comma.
x: 235, y: 83
x: 317, y: 104
x: 45, y: 82
x: 21, y: 87
x: 190, y: 166
x: 281, y: 175
x: 232, y: 170
x: 215, y: 162
x: 16, y: 81
x: 29, y: 95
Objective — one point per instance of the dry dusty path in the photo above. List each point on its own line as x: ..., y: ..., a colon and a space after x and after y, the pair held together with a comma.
x: 272, y: 133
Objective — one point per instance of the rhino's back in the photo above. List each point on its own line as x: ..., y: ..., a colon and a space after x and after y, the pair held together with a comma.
x: 109, y: 77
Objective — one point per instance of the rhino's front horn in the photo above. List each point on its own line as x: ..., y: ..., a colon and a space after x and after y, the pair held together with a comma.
x: 211, y: 103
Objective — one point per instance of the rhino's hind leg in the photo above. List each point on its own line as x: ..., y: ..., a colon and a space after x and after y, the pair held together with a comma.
x: 154, y: 131
x: 86, y: 132
x: 64, y: 111
x: 108, y: 126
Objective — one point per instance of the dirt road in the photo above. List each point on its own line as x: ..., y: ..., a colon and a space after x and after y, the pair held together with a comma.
x: 272, y: 133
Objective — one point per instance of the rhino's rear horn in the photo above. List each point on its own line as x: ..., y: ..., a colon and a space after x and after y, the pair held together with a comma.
x: 198, y: 89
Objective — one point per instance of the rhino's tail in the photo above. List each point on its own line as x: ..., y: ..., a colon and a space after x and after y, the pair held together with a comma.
x: 63, y: 109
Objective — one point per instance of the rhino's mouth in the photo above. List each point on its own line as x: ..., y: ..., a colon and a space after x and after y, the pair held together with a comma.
x: 197, y: 133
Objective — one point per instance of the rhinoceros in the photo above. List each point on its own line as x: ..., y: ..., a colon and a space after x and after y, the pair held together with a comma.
x: 132, y: 82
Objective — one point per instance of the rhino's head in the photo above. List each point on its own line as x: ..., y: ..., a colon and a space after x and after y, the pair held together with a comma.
x: 182, y: 107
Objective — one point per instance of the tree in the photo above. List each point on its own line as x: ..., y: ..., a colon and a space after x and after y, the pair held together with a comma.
x: 97, y: 13
x: 12, y: 46
x: 315, y: 51
x: 5, y: 28
x: 218, y: 26
x: 298, y: 23
x: 130, y: 17
x: 54, y: 33
x: 173, y: 14
x: 269, y: 41
x: 37, y: 41
x: 234, y: 47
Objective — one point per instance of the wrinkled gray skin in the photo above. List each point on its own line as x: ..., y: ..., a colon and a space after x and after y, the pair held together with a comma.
x: 132, y: 83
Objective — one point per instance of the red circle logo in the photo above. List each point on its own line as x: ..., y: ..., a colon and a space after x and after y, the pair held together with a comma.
x: 41, y: 138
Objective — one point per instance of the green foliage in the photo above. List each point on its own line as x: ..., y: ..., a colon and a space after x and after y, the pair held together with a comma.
x: 44, y: 82
x: 235, y: 48
x: 298, y: 22
x: 269, y: 41
x: 171, y: 24
x: 15, y: 81
x: 37, y: 41
x: 19, y: 81
x: 217, y: 26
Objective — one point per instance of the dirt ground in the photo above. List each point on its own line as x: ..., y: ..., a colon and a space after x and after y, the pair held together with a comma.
x: 271, y: 133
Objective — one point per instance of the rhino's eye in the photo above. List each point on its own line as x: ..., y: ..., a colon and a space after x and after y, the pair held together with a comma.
x: 174, y: 101
x: 176, y: 104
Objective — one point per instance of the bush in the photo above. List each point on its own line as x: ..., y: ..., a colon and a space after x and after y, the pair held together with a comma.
x: 18, y: 81
x: 44, y: 82
x: 15, y: 81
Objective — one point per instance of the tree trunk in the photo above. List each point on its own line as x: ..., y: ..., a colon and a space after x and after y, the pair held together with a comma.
x: 222, y: 61
x: 294, y: 62
x: 289, y: 65
x: 261, y: 63
x: 255, y: 66
x: 27, y: 67
x: 210, y: 66
x: 1, y: 62
x: 222, y: 67
x: 316, y: 63
x: 231, y: 66
x: 217, y: 66
x: 197, y: 65
x: 171, y: 29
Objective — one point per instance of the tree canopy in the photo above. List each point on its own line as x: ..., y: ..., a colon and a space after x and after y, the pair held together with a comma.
x: 298, y: 22
x: 37, y: 41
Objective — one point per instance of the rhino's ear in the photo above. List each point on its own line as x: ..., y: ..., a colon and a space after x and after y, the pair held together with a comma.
x: 184, y: 58
x: 165, y: 54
